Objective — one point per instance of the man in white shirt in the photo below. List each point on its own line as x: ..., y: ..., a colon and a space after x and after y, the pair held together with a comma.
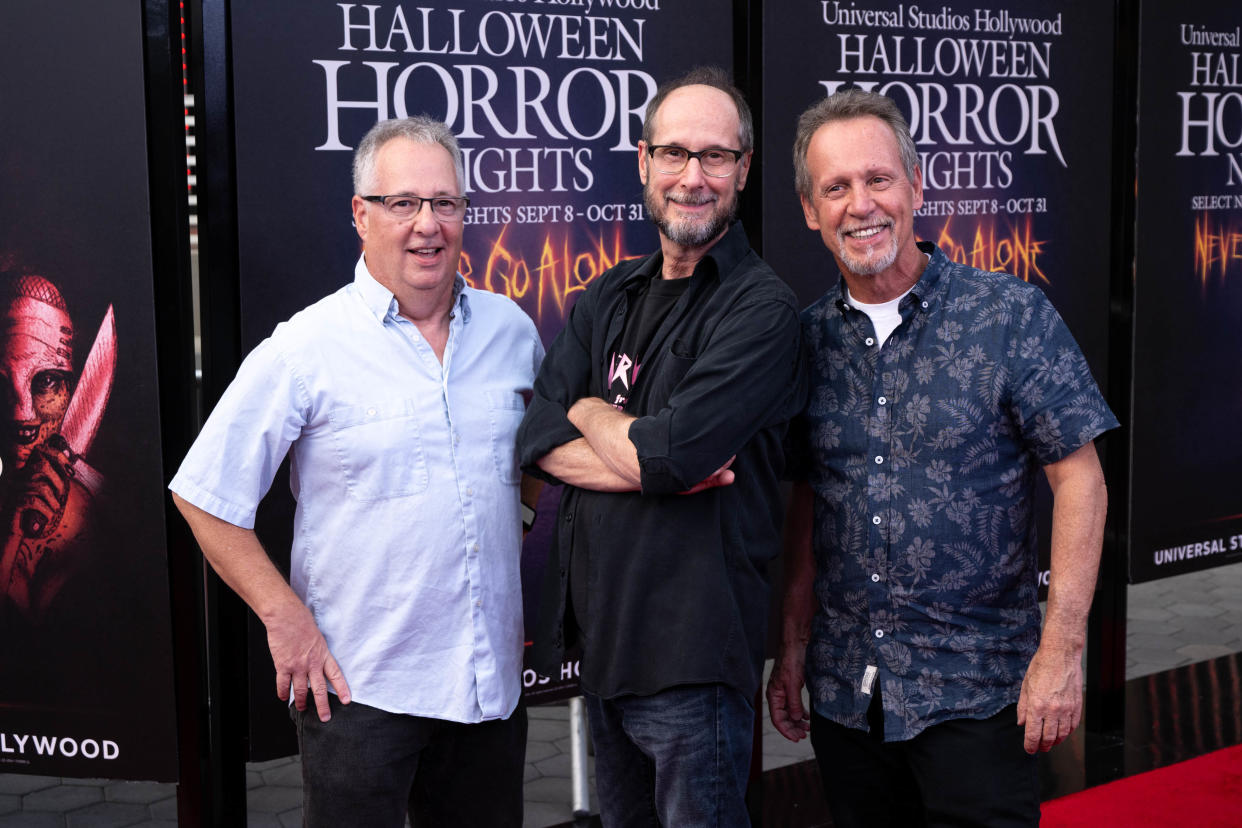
x: 399, y: 632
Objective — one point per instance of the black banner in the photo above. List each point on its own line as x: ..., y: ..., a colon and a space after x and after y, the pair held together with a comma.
x: 86, y: 659
x: 1009, y: 105
x: 547, y: 99
x: 1187, y: 512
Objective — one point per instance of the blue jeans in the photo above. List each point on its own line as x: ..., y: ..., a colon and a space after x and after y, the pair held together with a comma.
x: 679, y: 758
x: 367, y: 767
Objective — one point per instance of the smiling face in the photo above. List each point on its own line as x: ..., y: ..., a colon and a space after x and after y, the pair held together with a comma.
x: 692, y: 209
x: 417, y: 257
x: 861, y: 201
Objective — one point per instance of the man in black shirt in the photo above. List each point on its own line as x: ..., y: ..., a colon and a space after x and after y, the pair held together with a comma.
x: 662, y: 407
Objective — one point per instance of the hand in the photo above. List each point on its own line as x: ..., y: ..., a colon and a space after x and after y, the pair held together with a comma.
x: 785, y: 708
x: 1050, y: 704
x: 722, y: 476
x: 35, y: 508
x: 301, y: 657
x: 41, y: 488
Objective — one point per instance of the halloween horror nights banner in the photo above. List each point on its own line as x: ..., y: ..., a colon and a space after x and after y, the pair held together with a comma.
x: 547, y: 99
x: 1009, y: 105
x: 1187, y: 449
x: 85, y: 632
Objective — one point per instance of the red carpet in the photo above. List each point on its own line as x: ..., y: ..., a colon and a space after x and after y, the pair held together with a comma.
x: 1205, y: 792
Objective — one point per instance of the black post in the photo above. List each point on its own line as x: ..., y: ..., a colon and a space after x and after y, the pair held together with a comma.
x: 174, y: 323
x: 748, y: 76
x: 225, y: 614
x: 1106, y: 633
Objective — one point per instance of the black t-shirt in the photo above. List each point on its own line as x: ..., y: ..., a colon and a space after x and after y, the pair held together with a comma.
x: 651, y: 307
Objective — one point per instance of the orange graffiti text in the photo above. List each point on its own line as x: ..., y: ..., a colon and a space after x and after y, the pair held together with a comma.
x: 1218, y: 248
x: 1014, y: 250
x: 546, y: 283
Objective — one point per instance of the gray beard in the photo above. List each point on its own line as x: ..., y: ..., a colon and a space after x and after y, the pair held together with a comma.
x: 870, y: 265
x: 688, y: 233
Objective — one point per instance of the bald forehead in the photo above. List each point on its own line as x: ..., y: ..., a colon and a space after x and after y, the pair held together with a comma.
x: 705, y: 104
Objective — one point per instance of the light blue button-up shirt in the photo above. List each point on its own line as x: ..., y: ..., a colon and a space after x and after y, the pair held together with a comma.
x: 407, y: 536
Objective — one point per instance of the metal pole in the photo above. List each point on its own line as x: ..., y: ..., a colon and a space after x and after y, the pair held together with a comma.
x: 578, y: 758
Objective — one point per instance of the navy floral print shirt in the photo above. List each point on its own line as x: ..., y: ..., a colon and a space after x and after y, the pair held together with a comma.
x: 923, y: 456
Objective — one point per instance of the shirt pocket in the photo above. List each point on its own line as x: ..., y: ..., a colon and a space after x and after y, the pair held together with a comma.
x: 504, y: 413
x: 380, y: 450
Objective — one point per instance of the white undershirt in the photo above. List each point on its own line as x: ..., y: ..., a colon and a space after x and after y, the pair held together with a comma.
x: 885, y: 317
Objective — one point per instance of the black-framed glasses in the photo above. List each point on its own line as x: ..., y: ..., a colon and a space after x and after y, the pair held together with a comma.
x: 402, y: 207
x: 717, y: 162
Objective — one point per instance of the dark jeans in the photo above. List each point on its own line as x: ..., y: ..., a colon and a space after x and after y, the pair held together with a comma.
x: 365, y: 767
x: 679, y: 758
x: 963, y: 772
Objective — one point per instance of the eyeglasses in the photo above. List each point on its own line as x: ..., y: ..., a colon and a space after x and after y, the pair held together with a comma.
x: 402, y: 207
x: 715, y: 161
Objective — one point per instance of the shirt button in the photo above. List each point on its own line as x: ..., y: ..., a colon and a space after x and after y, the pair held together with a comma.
x: 569, y: 518
x: 882, y: 400
x: 869, y: 341
x: 924, y: 306
x: 879, y: 633
x: 478, y: 603
x: 878, y: 459
x: 476, y: 547
x: 875, y: 519
x: 875, y: 576
x: 370, y: 412
x: 470, y: 492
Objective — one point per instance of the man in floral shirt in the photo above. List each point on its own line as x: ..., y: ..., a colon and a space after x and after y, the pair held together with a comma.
x: 938, y: 393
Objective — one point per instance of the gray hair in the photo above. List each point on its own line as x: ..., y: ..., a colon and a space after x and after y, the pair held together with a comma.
x: 846, y: 105
x: 716, y: 78
x: 422, y: 129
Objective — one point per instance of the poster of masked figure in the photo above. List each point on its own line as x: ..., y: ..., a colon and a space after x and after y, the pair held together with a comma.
x: 85, y: 630
x: 52, y: 417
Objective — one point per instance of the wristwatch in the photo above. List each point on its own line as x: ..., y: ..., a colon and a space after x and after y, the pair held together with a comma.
x: 528, y: 517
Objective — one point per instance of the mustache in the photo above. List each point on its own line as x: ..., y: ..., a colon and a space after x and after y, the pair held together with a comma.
x: 887, y: 221
x: 690, y: 198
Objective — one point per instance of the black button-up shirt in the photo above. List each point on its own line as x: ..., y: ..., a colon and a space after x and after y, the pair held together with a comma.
x: 675, y: 584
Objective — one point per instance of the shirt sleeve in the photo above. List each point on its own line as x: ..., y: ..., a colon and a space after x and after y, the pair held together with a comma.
x: 564, y: 378
x: 749, y: 376
x: 1055, y: 400
x: 230, y: 466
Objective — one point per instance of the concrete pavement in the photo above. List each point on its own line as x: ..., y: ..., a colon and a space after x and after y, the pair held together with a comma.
x: 1170, y: 623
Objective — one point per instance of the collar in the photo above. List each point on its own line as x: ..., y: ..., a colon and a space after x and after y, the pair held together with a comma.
x: 721, y: 259
x: 381, y: 303
x: 926, y: 290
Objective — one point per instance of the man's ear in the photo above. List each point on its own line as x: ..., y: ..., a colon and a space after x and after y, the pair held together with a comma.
x: 642, y: 162
x: 808, y: 212
x: 743, y: 169
x: 360, y: 216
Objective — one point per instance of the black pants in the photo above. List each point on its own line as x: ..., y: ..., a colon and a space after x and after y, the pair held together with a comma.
x: 365, y: 767
x: 963, y: 772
